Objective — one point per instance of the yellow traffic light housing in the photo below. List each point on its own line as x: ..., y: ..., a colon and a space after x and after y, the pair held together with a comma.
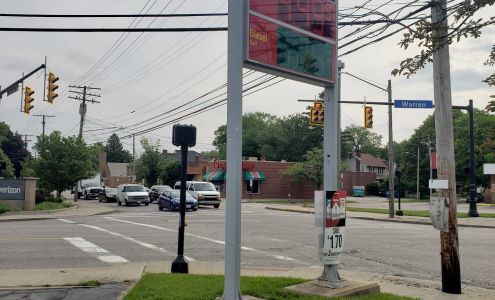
x: 317, y: 114
x: 28, y: 99
x: 368, y: 117
x: 52, y: 87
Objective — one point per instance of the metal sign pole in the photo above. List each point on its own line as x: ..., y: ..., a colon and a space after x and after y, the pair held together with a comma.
x: 232, y: 289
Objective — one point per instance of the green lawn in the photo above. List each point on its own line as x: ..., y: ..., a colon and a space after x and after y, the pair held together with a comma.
x: 413, y: 213
x: 197, y: 287
x: 48, y: 205
x: 6, y: 208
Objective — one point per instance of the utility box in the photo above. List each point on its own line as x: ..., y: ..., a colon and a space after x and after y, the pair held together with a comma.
x: 489, y: 170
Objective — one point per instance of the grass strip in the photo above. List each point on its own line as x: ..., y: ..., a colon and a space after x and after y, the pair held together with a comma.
x: 412, y: 213
x: 167, y: 286
x: 6, y: 208
x: 48, y: 205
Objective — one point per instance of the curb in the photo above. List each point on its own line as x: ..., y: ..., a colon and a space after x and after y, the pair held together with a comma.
x: 380, y: 219
x: 35, y: 218
x: 39, y: 212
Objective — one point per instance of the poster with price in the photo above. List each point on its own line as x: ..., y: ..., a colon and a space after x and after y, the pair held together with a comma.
x: 334, y: 227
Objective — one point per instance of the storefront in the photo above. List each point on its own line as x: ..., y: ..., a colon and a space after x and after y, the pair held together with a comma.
x: 261, y: 180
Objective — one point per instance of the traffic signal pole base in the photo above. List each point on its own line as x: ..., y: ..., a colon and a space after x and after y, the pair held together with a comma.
x: 399, y: 213
x: 330, y: 278
x: 473, y: 214
x: 180, y: 265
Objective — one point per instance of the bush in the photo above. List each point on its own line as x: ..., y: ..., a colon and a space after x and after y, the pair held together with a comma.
x: 6, y: 208
x: 373, y: 188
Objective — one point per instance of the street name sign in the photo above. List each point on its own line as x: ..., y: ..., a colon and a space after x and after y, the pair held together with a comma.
x: 399, y: 103
x: 293, y: 39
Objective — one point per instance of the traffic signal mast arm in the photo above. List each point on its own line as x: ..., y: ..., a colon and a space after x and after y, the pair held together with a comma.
x: 14, y: 85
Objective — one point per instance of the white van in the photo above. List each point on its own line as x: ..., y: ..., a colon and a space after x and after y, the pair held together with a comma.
x: 204, y: 192
x: 132, y: 194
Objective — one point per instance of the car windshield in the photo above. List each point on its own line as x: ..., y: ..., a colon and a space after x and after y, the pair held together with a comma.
x: 176, y: 194
x: 164, y: 188
x: 110, y: 190
x: 134, y: 188
x: 206, y: 186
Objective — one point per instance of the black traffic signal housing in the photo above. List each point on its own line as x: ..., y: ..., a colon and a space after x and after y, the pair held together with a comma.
x: 184, y: 135
x: 28, y: 99
x: 368, y: 117
x: 317, y: 114
x: 52, y: 87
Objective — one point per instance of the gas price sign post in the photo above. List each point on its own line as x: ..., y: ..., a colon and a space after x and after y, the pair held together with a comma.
x: 334, y: 227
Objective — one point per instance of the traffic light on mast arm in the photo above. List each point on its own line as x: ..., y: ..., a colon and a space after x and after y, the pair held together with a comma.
x: 28, y: 99
x: 368, y: 117
x: 52, y: 87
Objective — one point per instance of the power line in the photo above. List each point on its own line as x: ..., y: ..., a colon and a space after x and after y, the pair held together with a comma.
x: 115, y: 15
x: 176, y: 29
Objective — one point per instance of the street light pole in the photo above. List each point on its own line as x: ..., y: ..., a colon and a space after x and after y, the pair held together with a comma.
x: 417, y: 177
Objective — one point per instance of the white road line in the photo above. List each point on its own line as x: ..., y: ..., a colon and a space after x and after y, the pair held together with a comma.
x: 203, y: 238
x: 142, y: 244
x: 95, y: 250
x: 67, y: 221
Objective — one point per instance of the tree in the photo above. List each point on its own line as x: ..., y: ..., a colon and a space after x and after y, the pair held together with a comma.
x: 62, y: 162
x: 14, y: 147
x: 311, y: 169
x: 466, y: 23
x: 171, y: 172
x: 9, y: 170
x: 359, y: 139
x: 115, y: 151
x: 150, y: 165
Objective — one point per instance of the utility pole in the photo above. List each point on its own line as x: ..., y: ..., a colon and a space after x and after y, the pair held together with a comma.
x: 43, y: 122
x: 417, y: 176
x: 26, y: 140
x: 391, y: 171
x: 134, y: 156
x: 473, y: 212
x: 81, y: 94
x: 449, y: 241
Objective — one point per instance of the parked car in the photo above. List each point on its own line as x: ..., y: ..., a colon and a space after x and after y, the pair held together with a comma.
x: 157, y: 190
x: 204, y: 192
x: 91, y: 191
x: 108, y: 194
x: 128, y: 194
x: 171, y: 200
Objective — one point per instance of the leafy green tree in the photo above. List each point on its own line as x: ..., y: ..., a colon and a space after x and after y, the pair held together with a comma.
x: 150, y: 165
x: 171, y: 172
x: 13, y: 145
x: 9, y: 170
x: 359, y: 139
x: 466, y: 22
x: 309, y: 170
x: 115, y: 150
x: 62, y: 161
x: 298, y: 137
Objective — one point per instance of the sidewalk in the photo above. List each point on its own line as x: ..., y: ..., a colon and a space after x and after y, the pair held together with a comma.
x: 412, y: 287
x: 462, y: 222
x: 81, y: 209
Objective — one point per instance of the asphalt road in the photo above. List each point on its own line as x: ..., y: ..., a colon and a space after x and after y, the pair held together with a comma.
x: 269, y: 238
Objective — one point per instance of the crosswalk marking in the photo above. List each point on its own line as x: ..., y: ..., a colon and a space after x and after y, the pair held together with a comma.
x: 95, y: 250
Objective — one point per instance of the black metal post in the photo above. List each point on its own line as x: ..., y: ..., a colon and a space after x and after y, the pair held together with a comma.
x: 472, y: 172
x: 180, y: 264
x: 399, y: 211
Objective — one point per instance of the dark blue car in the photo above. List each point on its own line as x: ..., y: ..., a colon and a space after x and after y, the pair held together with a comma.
x: 171, y: 200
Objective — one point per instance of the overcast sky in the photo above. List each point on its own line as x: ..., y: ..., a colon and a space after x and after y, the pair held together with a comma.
x: 144, y: 75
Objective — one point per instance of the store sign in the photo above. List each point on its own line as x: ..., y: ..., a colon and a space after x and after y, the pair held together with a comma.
x: 12, y: 189
x: 222, y: 164
x: 333, y: 244
x: 293, y: 38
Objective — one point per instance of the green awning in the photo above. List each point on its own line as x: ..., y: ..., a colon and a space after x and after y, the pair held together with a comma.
x: 254, y: 175
x: 214, y: 176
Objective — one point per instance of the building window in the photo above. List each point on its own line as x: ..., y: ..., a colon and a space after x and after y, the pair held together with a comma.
x: 370, y: 169
x: 254, y: 189
x: 380, y: 171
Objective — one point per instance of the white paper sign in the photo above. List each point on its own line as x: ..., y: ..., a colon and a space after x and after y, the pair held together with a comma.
x: 439, y: 213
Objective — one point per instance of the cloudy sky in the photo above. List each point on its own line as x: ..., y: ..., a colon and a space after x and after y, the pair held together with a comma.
x: 143, y: 76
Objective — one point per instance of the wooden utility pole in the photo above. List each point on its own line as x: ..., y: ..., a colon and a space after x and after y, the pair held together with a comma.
x: 43, y: 122
x: 81, y: 94
x: 451, y: 270
x: 391, y: 169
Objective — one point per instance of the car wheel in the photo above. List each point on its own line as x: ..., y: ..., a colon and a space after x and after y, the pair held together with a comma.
x: 160, y: 207
x: 99, y: 199
x: 216, y: 205
x: 126, y: 203
x: 195, y: 209
x: 146, y: 204
x: 119, y: 203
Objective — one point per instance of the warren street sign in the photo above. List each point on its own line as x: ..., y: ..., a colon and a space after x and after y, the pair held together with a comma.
x: 398, y: 103
x: 293, y: 39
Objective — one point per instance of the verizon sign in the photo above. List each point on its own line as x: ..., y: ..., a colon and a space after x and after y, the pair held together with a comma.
x: 12, y: 189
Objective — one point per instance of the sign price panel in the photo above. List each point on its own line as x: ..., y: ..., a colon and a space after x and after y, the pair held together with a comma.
x: 334, y: 227
x: 293, y: 38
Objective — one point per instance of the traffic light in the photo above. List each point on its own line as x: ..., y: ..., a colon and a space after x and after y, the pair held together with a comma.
x: 317, y: 114
x: 368, y: 117
x: 52, y: 87
x: 28, y: 98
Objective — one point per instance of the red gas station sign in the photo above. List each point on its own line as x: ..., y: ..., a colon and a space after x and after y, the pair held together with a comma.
x: 293, y: 38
